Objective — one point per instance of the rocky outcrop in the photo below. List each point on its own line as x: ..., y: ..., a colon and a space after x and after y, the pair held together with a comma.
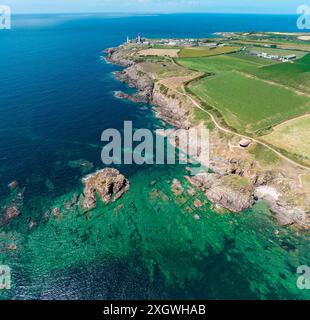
x: 288, y: 216
x: 108, y: 184
x: 135, y: 77
x: 232, y: 192
x: 284, y: 213
x: 116, y: 56
x: 135, y: 98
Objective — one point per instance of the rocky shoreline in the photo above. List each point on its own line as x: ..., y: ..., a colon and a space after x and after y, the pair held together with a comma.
x: 234, y: 184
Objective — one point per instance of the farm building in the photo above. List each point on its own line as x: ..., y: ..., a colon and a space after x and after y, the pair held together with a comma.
x: 245, y: 143
x: 289, y: 57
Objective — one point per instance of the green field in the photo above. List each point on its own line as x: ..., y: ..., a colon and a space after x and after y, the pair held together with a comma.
x: 216, y: 64
x: 296, y: 75
x: 206, y: 52
x: 248, y: 104
x: 293, y: 137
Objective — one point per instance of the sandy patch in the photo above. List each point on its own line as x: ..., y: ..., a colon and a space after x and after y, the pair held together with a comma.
x: 304, y: 38
x: 264, y: 192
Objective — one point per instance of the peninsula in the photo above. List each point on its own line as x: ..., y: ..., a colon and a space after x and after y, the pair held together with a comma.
x: 251, y: 90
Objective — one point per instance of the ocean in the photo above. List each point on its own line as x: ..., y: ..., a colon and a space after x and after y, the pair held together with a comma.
x: 56, y: 98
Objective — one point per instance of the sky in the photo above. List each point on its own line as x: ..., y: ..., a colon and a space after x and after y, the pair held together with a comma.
x: 154, y: 6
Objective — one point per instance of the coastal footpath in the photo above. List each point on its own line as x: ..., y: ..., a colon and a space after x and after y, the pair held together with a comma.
x: 237, y: 178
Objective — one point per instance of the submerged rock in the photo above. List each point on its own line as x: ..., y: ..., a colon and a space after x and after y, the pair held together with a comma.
x: 82, y: 164
x: 13, y: 185
x: 31, y: 223
x: 198, y: 203
x: 10, y: 213
x: 56, y: 212
x: 108, y: 184
x: 49, y: 185
x: 176, y: 187
x: 12, y: 209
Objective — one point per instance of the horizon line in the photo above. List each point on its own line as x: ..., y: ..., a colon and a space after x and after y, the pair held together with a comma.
x: 156, y: 13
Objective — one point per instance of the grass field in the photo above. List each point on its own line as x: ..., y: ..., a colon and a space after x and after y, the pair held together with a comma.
x: 216, y: 64
x: 281, y: 44
x: 165, y: 69
x: 206, y: 52
x: 293, y: 137
x: 247, y: 104
x: 296, y: 75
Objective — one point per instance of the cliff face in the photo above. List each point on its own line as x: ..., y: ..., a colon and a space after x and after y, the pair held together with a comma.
x: 135, y: 77
x: 231, y: 192
x: 170, y: 106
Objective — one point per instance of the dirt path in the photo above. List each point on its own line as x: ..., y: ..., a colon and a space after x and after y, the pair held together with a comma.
x: 300, y: 179
x: 238, y: 134
x: 307, y: 115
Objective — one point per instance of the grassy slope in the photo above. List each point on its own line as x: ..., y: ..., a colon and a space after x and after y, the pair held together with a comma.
x: 206, y: 52
x: 296, y: 75
x: 249, y: 104
x: 221, y: 63
x: 293, y: 137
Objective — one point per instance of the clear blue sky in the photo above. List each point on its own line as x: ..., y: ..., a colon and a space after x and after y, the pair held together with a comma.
x: 226, y: 6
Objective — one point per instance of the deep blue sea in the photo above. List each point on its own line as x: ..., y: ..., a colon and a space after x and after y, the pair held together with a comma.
x: 56, y: 98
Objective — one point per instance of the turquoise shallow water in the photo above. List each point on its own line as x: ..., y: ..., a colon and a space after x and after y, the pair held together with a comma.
x: 56, y: 98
